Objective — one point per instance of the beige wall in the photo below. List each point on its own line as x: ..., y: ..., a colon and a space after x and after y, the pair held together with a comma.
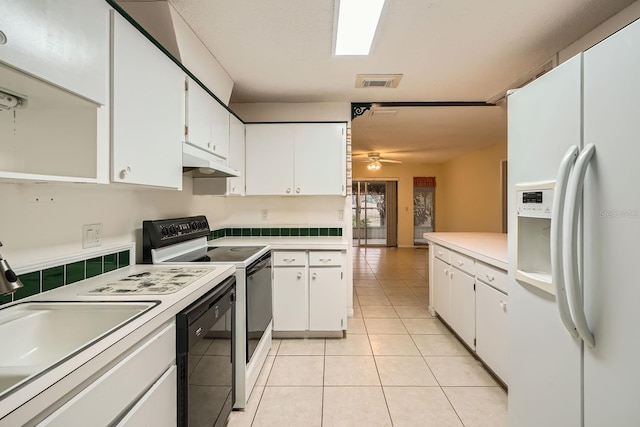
x: 404, y: 173
x: 472, y: 193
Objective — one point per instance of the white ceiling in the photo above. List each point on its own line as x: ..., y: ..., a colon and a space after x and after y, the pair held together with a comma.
x: 447, y: 50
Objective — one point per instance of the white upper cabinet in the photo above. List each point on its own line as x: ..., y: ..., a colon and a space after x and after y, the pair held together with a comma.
x: 207, y: 121
x: 65, y: 43
x: 269, y: 159
x: 147, y: 111
x: 236, y: 154
x: 298, y: 159
x: 320, y: 158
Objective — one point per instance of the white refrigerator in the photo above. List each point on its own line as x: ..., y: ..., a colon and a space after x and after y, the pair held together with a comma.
x: 575, y: 134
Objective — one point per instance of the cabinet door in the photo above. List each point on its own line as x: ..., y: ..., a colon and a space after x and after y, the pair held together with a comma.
x: 441, y: 288
x: 269, y: 159
x: 199, y: 110
x: 63, y: 42
x: 290, y: 299
x: 147, y: 111
x: 320, y: 158
x: 158, y: 406
x: 463, y: 305
x: 236, y: 155
x: 327, y: 299
x: 219, y: 129
x: 491, y: 329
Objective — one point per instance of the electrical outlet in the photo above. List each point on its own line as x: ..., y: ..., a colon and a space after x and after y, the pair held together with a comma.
x: 91, y: 235
x: 265, y: 214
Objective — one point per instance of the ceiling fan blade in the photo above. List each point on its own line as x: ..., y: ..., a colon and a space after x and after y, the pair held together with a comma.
x: 390, y: 161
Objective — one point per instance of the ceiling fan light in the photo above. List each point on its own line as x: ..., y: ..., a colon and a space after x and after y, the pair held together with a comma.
x: 374, y: 166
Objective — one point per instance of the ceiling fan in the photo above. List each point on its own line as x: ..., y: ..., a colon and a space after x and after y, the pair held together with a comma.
x: 375, y: 160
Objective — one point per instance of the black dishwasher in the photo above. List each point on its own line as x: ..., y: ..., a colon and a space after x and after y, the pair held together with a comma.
x: 204, y: 358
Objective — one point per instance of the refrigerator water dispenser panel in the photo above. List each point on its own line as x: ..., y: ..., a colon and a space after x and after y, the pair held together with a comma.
x: 533, y: 260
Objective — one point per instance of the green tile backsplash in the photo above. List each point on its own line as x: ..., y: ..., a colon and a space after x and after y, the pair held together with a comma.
x: 74, y: 272
x: 94, y: 267
x: 111, y: 262
x: 54, y: 277
x: 275, y: 232
x: 30, y: 285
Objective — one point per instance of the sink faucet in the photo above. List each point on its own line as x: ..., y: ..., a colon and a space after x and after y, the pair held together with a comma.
x: 9, y: 282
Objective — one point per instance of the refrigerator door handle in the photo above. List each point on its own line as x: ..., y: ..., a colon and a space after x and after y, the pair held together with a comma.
x: 557, y: 274
x: 570, y: 244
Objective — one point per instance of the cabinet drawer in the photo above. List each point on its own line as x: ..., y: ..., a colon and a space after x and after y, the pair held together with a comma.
x: 104, y: 399
x: 325, y: 258
x: 158, y: 407
x: 492, y: 276
x: 289, y: 258
x: 463, y: 262
x: 441, y: 253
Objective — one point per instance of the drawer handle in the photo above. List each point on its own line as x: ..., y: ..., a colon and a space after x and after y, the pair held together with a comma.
x: 460, y: 263
x: 289, y: 259
x: 299, y: 275
x: 503, y: 305
x: 440, y: 253
x: 446, y: 272
x: 325, y: 259
x: 288, y: 190
x: 314, y: 275
x: 490, y: 278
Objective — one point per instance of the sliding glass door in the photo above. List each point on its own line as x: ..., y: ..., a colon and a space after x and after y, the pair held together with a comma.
x: 374, y: 213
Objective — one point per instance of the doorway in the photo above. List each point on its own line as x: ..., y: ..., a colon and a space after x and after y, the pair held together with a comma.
x: 374, y: 213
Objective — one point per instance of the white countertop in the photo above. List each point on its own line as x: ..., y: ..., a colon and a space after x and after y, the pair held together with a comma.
x: 490, y: 248
x: 292, y: 243
x: 35, y: 396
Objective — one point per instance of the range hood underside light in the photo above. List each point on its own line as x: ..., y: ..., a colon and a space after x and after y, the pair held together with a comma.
x: 202, y: 164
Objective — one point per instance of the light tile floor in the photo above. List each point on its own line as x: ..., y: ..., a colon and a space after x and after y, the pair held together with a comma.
x: 398, y: 366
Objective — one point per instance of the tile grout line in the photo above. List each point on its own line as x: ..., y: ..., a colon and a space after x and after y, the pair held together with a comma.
x: 384, y: 395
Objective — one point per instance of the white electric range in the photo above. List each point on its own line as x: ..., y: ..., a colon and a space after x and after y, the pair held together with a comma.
x: 183, y: 241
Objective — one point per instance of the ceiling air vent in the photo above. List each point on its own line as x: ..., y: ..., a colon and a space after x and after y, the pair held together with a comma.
x: 378, y: 80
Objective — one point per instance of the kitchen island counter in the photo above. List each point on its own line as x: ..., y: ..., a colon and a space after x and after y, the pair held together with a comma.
x: 490, y: 248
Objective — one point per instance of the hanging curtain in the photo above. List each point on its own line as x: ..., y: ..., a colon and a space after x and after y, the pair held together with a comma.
x: 424, y: 188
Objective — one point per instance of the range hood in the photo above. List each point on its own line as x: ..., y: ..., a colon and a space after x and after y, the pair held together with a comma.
x: 202, y: 164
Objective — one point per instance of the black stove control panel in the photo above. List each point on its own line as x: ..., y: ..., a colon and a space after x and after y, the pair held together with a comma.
x: 162, y: 233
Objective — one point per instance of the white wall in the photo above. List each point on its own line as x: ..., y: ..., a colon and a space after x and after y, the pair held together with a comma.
x: 40, y: 231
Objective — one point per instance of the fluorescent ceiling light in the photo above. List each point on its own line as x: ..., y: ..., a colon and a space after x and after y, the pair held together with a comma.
x: 357, y: 23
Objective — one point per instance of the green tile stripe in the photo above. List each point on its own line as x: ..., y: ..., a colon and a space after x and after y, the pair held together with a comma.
x: 39, y: 281
x: 275, y: 232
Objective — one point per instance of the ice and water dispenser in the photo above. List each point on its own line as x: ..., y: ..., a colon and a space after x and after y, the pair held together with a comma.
x: 533, y: 228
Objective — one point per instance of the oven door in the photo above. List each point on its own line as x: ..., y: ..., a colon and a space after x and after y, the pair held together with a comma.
x: 259, y: 301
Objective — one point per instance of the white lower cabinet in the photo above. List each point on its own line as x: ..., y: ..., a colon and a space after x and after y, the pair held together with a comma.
x: 462, y: 316
x: 158, y: 407
x: 491, y: 329
x: 105, y: 400
x: 309, y: 291
x: 441, y: 288
x: 290, y: 298
x: 470, y: 296
x: 327, y: 299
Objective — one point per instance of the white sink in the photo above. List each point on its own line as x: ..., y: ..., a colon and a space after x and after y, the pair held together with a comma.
x: 36, y: 336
